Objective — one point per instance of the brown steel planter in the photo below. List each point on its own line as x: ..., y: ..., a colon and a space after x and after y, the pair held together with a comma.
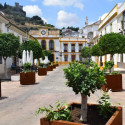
x: 116, y: 118
x: 54, y: 66
x: 27, y: 78
x: 57, y: 65
x: 42, y: 71
x: 0, y: 88
x: 114, y: 82
x: 50, y: 68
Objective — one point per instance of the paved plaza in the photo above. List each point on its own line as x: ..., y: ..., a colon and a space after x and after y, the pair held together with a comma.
x: 19, y: 103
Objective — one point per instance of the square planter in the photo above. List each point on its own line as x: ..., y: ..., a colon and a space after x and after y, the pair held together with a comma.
x: 115, y: 119
x: 114, y: 82
x: 0, y: 87
x: 42, y: 71
x: 54, y: 66
x: 57, y: 65
x: 27, y: 78
x: 50, y: 68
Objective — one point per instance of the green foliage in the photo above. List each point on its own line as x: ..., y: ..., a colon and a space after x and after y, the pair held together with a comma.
x: 109, y: 65
x: 27, y: 67
x: 34, y: 46
x: 73, y: 28
x: 41, y: 64
x: 84, y: 80
x: 112, y: 43
x: 105, y: 106
x: 9, y: 45
x: 85, y: 52
x: 95, y: 50
x: 56, y: 113
x: 115, y: 73
x: 86, y: 62
x: 47, y: 53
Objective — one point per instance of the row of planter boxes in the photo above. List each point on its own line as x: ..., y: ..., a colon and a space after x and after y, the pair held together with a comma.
x: 29, y: 77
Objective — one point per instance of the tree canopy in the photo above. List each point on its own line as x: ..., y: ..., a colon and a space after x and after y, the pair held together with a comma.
x: 34, y: 46
x: 9, y: 45
x: 95, y: 50
x: 112, y: 43
x: 85, y: 52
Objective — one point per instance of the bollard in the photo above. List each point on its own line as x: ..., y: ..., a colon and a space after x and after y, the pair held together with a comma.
x: 0, y: 87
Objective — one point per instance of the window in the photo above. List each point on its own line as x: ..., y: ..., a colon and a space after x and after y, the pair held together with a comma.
x: 51, y: 45
x: 0, y: 59
x: 80, y: 47
x: 65, y: 58
x: 44, y: 44
x: 111, y: 27
x: 73, y: 48
x: 65, y: 47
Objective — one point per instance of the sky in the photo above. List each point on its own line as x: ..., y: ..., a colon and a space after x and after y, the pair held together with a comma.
x: 64, y: 13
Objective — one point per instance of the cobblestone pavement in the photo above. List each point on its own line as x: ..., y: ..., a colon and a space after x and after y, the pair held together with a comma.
x: 19, y: 103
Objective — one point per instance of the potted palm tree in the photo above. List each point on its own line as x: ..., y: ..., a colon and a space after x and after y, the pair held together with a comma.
x: 42, y: 70
x: 27, y: 76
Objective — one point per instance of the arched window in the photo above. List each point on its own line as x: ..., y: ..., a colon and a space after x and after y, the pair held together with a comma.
x: 51, y: 45
x: 44, y: 44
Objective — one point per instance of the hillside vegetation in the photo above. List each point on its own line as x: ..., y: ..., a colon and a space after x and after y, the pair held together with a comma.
x: 18, y: 16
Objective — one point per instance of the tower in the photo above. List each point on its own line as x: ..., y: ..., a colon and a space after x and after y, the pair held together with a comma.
x: 86, y: 23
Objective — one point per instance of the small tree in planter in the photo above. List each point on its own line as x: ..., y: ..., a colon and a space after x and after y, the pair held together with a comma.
x: 84, y: 81
x: 42, y: 70
x: 112, y: 43
x: 9, y: 45
x: 27, y: 77
x: 96, y: 51
x: 85, y: 53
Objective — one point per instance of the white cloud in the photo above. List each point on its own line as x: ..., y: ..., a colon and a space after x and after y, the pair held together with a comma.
x: 103, y: 16
x: 32, y: 10
x: 65, y: 19
x: 45, y: 21
x: 64, y: 3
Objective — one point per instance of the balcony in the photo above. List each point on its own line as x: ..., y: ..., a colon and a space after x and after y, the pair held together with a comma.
x: 65, y: 50
x: 73, y: 50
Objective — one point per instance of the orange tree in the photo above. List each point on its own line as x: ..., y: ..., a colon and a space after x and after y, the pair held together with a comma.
x: 9, y: 45
x: 84, y: 81
x: 112, y: 43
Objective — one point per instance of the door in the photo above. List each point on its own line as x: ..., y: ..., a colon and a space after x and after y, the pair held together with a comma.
x: 73, y: 57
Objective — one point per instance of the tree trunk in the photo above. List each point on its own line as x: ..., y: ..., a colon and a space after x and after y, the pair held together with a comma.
x: 83, y: 107
x: 5, y: 69
x: 112, y: 69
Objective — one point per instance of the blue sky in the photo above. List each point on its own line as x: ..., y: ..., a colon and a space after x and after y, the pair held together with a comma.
x: 66, y: 12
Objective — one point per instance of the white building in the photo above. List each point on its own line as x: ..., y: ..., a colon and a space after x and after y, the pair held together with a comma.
x: 7, y: 26
x: 114, y: 22
x: 64, y: 49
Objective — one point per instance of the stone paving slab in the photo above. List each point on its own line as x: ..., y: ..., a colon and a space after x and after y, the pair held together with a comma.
x: 22, y: 101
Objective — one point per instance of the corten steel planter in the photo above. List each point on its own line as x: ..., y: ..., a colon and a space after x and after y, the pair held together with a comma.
x: 57, y: 65
x: 115, y: 119
x: 27, y: 78
x: 54, y: 66
x: 42, y: 71
x: 114, y: 82
x: 0, y: 87
x: 50, y: 68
